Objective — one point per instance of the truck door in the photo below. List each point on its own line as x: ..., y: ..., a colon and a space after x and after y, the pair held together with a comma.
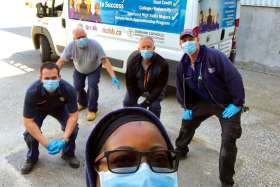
x: 55, y: 23
x: 217, y: 22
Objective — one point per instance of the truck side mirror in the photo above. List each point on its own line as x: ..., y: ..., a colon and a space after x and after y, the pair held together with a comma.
x: 41, y: 10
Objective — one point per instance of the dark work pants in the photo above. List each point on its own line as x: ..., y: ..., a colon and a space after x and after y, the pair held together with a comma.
x: 89, y: 98
x: 231, y: 130
x: 154, y: 107
x: 62, y: 116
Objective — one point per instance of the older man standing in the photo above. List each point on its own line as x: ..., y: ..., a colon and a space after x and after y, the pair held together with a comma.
x: 147, y: 73
x: 208, y: 84
x: 87, y: 55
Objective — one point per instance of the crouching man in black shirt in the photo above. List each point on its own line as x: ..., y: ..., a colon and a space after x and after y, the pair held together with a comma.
x: 146, y: 74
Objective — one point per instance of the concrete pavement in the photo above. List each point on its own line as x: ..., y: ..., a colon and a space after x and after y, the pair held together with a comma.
x: 258, y: 157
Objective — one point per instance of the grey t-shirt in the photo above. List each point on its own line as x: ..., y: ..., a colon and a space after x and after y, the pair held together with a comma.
x: 85, y: 60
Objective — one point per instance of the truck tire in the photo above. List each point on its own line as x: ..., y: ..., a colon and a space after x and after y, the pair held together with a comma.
x: 45, y: 49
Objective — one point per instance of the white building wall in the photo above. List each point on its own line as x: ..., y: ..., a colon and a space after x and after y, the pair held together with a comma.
x: 258, y: 46
x: 266, y: 3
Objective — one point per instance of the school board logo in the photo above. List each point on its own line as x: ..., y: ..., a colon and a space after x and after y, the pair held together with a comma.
x: 130, y: 33
x: 211, y: 70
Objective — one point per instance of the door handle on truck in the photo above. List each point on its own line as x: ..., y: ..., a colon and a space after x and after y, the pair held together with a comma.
x: 223, y: 34
x: 63, y: 23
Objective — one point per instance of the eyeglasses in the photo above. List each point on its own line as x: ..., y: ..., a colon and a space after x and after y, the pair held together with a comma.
x: 128, y: 161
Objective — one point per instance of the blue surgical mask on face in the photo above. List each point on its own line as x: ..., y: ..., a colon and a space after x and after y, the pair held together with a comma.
x: 50, y: 85
x: 146, y: 54
x: 189, y: 47
x: 144, y: 177
x: 82, y: 42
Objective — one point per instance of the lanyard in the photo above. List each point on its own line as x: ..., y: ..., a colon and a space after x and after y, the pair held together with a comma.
x: 146, y: 78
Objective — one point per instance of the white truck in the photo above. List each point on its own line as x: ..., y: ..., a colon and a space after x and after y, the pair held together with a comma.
x: 118, y: 25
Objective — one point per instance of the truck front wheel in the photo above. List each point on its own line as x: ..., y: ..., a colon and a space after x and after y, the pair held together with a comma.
x: 45, y: 49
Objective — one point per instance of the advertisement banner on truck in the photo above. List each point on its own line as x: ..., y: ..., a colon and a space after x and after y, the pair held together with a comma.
x: 217, y: 14
x: 156, y: 15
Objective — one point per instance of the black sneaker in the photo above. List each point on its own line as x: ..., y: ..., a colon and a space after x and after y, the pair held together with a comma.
x: 27, y: 166
x: 181, y: 154
x: 72, y: 161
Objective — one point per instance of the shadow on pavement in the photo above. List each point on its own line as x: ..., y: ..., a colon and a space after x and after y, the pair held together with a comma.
x: 52, y: 170
x: 201, y: 168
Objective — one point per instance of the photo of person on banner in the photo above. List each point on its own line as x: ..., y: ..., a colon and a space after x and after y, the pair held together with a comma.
x: 84, y: 9
x: 209, y: 21
x: 96, y: 13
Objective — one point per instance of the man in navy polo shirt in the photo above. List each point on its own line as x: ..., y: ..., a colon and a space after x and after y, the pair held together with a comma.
x: 50, y: 96
x: 208, y: 84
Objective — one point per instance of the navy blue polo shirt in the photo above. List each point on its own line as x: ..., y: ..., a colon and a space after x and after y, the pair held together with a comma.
x: 37, y: 99
x: 194, y: 76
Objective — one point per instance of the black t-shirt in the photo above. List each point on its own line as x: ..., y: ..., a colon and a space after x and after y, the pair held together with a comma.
x: 37, y: 99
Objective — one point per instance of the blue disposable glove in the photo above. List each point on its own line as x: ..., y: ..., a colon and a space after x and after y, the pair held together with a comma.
x: 187, y: 114
x: 52, y: 148
x: 55, y: 146
x: 230, y: 111
x: 116, y: 82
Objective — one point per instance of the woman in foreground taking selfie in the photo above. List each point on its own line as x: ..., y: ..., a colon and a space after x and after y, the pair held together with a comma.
x: 130, y: 148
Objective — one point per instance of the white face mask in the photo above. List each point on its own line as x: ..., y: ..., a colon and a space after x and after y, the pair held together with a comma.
x: 144, y: 177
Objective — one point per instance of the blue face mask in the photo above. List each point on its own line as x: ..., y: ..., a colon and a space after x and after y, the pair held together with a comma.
x: 144, y: 177
x: 82, y: 42
x: 189, y: 47
x: 50, y: 85
x: 146, y: 54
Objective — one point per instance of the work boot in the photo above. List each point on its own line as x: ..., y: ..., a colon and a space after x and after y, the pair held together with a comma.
x: 27, y: 166
x: 91, y: 116
x: 72, y: 161
x: 181, y: 154
x: 81, y: 107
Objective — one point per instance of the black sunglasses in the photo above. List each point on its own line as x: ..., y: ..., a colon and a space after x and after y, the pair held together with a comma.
x: 128, y: 161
